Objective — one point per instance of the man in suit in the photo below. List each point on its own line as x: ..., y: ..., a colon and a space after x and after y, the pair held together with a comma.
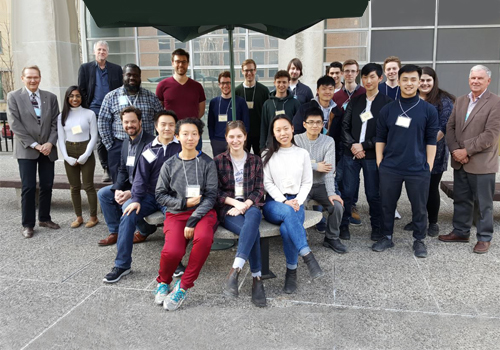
x: 32, y: 115
x: 95, y: 80
x: 472, y: 137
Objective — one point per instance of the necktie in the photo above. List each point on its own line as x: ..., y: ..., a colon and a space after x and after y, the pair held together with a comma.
x: 34, y: 103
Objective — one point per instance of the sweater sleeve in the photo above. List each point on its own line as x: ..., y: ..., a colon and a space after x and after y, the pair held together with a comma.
x: 382, y: 130
x: 93, y: 137
x: 141, y: 178
x: 258, y: 190
x: 209, y: 196
x: 163, y: 191
x: 61, y: 140
x: 270, y: 186
x: 432, y: 126
x: 330, y: 183
x: 307, y: 179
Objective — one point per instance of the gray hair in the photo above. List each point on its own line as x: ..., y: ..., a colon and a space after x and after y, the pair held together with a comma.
x: 481, y: 67
x: 101, y: 42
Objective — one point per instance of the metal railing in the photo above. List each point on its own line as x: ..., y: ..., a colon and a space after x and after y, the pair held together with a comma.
x: 6, y: 134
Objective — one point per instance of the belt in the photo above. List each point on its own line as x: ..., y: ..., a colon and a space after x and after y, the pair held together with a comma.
x: 76, y: 143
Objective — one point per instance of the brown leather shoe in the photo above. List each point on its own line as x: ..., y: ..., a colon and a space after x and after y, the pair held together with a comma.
x: 27, y: 232
x: 49, y: 224
x: 453, y: 237
x: 110, y: 240
x: 138, y: 238
x: 482, y: 247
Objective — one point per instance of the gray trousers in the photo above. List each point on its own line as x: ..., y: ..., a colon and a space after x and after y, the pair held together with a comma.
x: 335, y: 212
x: 467, y: 190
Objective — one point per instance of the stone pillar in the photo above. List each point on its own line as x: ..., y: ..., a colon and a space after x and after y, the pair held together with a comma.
x: 308, y: 46
x: 45, y: 33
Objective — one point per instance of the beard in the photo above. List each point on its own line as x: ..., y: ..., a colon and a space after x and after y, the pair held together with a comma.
x: 132, y: 88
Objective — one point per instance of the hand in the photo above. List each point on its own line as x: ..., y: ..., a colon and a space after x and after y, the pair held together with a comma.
x: 125, y: 196
x: 82, y: 160
x: 293, y: 203
x: 234, y: 212
x: 335, y: 197
x: 46, y: 148
x: 248, y: 203
x: 356, y: 148
x: 118, y: 196
x: 360, y: 155
x: 465, y: 160
x: 188, y: 232
x: 71, y: 161
x: 131, y: 207
x: 459, y: 154
x: 324, y: 167
x: 241, y: 207
x: 193, y: 201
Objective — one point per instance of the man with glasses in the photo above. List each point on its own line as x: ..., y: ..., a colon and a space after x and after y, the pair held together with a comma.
x: 335, y: 71
x: 255, y: 94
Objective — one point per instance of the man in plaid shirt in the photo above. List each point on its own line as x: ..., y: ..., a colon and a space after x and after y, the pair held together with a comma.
x: 109, y: 123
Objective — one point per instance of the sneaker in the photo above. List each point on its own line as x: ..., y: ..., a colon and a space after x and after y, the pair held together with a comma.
x: 179, y: 271
x: 433, y: 230
x: 409, y: 227
x: 355, y: 219
x: 161, y: 293
x: 175, y: 299
x: 397, y: 216
x: 115, y: 274
x: 344, y: 233
x: 335, y: 244
x: 419, y: 249
x: 382, y: 244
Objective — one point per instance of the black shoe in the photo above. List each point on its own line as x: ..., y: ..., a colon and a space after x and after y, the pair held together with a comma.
x: 419, y: 249
x: 313, y: 266
x: 258, y: 293
x: 335, y: 244
x: 106, y: 177
x: 344, y: 233
x: 115, y: 275
x: 409, y: 227
x: 179, y: 271
x: 290, y: 281
x: 382, y: 244
x: 433, y: 230
x: 230, y: 287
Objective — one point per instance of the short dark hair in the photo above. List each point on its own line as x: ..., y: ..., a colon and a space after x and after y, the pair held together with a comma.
x: 335, y: 64
x: 297, y: 63
x: 325, y: 80
x: 198, y: 122
x: 131, y: 109
x: 282, y: 74
x: 410, y: 68
x: 131, y: 65
x: 372, y: 67
x: 313, y: 112
x: 225, y: 74
x: 168, y: 112
x: 180, y: 52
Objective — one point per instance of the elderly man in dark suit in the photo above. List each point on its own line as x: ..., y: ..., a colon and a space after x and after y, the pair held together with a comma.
x: 32, y: 115
x: 95, y: 80
x: 472, y: 137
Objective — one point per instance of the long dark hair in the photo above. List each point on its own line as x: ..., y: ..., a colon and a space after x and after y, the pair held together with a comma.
x: 67, y: 106
x: 274, y: 145
x: 436, y: 94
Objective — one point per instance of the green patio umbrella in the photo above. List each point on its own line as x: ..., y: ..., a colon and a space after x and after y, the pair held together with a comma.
x: 186, y: 21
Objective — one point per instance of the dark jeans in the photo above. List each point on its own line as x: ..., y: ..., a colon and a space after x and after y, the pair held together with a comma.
x: 351, y: 170
x: 253, y: 142
x: 339, y: 177
x: 417, y: 188
x: 114, y: 158
x: 434, y: 201
x: 27, y: 171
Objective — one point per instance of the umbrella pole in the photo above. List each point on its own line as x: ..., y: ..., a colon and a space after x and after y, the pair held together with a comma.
x: 231, y: 69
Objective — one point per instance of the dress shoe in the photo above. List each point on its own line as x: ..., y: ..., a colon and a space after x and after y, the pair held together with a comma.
x: 481, y: 247
x: 290, y: 281
x: 76, y: 224
x: 258, y: 293
x: 91, y: 223
x: 49, y: 224
x: 27, y: 232
x: 230, y: 287
x: 453, y: 237
x: 111, y: 239
x: 138, y: 238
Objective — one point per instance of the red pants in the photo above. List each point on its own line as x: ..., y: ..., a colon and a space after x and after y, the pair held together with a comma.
x: 175, y: 246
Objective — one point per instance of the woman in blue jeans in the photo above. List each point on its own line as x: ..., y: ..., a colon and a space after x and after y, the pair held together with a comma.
x: 287, y: 181
x: 240, y: 194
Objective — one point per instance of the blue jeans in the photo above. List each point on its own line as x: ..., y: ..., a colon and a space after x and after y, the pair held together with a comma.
x: 291, y: 228
x: 352, y: 167
x: 339, y: 178
x: 247, y: 227
x: 127, y: 229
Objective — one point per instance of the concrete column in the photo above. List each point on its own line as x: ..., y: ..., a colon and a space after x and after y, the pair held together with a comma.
x: 308, y: 46
x: 45, y: 33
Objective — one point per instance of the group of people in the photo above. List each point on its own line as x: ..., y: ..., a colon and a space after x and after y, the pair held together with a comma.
x: 283, y: 149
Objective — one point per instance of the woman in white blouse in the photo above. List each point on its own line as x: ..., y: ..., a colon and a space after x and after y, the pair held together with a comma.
x: 77, y: 137
x: 287, y: 181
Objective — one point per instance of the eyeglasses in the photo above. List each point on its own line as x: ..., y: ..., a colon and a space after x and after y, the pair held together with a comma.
x: 249, y: 70
x: 225, y: 83
x: 317, y: 123
x: 181, y: 62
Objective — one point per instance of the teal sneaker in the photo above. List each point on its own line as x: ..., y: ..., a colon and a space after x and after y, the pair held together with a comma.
x: 161, y: 293
x: 175, y: 299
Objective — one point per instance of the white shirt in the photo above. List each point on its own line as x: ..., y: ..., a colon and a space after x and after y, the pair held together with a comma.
x: 472, y: 103
x: 363, y: 126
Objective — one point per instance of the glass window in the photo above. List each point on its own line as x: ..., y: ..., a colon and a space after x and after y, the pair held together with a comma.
x: 468, y: 44
x: 343, y: 23
x: 93, y: 31
x: 392, y: 13
x: 333, y: 40
x: 336, y: 54
x: 465, y: 12
x: 454, y: 78
x: 408, y: 45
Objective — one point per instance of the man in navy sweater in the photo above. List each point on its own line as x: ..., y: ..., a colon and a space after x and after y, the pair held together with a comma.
x: 405, y: 149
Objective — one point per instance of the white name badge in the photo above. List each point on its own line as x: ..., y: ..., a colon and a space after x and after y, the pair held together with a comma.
x: 123, y: 100
x: 238, y: 190
x: 280, y: 112
x: 287, y: 182
x: 344, y: 106
x: 222, y: 117
x: 149, y: 155
x: 130, y: 161
x: 250, y: 104
x: 366, y: 116
x: 403, y: 121
x: 313, y: 161
x: 38, y: 112
x: 192, y: 191
x: 76, y: 130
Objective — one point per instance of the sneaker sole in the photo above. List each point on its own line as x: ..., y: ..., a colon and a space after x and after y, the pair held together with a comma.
x: 381, y: 250
x: 421, y: 256
x: 165, y: 306
x: 118, y: 278
x: 334, y: 249
x: 178, y: 274
x: 319, y: 275
x: 355, y: 223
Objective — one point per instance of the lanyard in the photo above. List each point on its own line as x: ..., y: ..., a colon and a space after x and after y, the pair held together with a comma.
x: 397, y: 90
x: 135, y: 100
x: 228, y: 105
x: 254, y: 88
x: 185, y: 175
x: 404, y: 112
x: 276, y: 108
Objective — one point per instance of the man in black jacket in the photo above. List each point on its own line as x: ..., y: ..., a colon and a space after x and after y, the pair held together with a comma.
x: 358, y: 137
x: 95, y: 80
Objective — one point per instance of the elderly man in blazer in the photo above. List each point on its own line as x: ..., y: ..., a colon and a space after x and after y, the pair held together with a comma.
x: 472, y: 137
x: 32, y: 115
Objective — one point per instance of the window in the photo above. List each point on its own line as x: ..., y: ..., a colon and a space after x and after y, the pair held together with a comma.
x: 408, y: 45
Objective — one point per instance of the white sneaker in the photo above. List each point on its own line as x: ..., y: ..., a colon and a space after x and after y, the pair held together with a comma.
x: 161, y: 293
x: 397, y: 215
x: 175, y: 299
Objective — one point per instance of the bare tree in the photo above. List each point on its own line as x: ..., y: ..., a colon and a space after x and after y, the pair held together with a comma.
x: 6, y: 59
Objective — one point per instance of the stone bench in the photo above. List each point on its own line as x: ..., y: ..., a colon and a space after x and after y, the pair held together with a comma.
x: 267, y: 230
x: 447, y: 188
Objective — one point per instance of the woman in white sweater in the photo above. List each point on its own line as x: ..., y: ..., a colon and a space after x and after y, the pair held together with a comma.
x: 287, y: 181
x: 77, y: 137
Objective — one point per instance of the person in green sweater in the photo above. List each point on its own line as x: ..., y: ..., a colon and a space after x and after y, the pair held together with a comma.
x: 281, y: 101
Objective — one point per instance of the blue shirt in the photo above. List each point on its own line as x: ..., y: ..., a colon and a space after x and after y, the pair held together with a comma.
x: 101, y: 87
x: 394, y: 93
x: 220, y: 106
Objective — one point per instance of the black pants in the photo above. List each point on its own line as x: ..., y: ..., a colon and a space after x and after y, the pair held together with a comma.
x: 253, y: 142
x: 434, y: 201
x: 417, y: 188
x: 28, y: 170
x: 114, y: 158
x: 102, y: 152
